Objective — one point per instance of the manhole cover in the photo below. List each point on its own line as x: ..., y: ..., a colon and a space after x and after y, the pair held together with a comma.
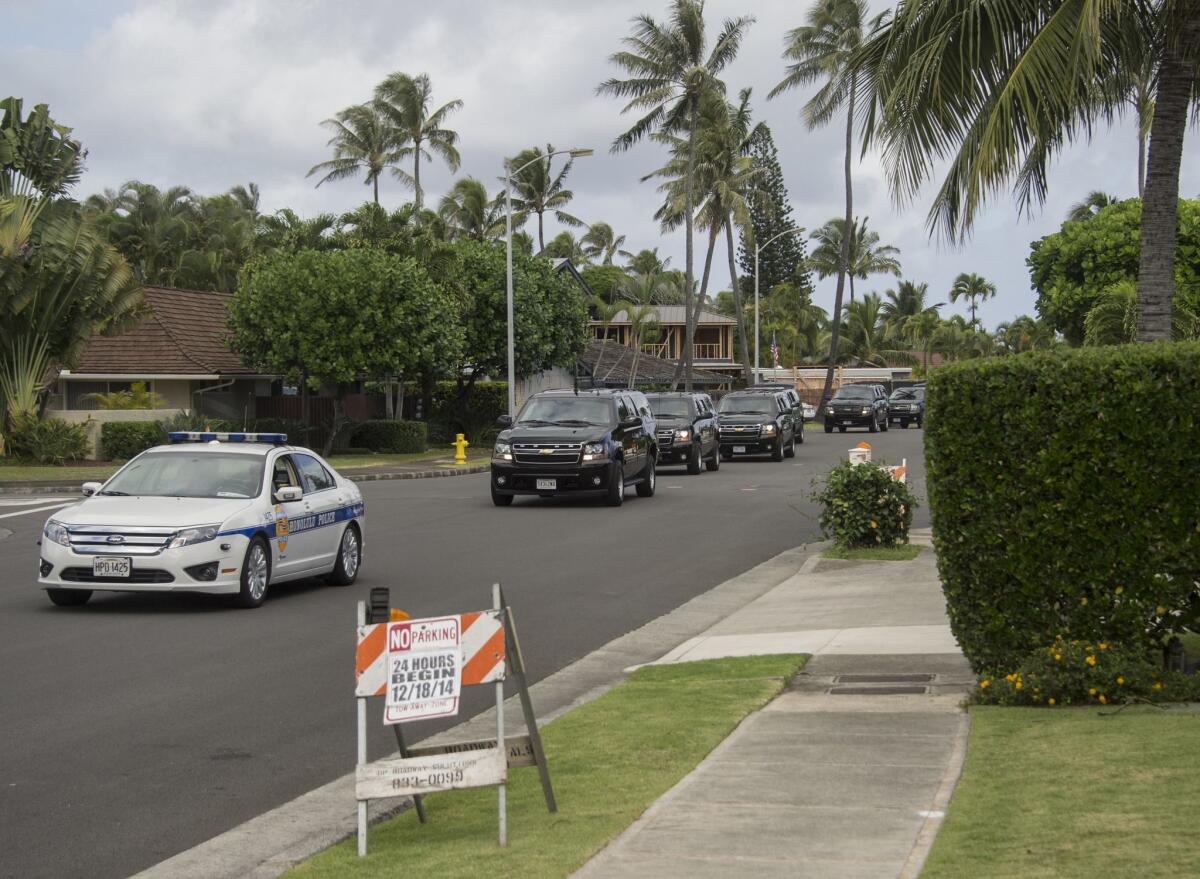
x: 877, y: 691
x: 882, y: 679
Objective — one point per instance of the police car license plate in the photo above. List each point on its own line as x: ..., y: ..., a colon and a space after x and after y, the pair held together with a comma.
x: 739, y: 450
x: 547, y: 484
x: 110, y: 567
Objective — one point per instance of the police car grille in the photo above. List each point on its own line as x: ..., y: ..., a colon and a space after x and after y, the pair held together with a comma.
x: 136, y: 575
x: 547, y: 454
x: 102, y: 540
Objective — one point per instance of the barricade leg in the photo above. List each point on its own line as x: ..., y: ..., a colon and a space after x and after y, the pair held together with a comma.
x: 501, y: 795
x: 362, y: 751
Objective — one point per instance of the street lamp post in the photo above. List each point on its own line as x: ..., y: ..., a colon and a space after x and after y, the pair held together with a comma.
x: 758, y: 248
x: 576, y: 153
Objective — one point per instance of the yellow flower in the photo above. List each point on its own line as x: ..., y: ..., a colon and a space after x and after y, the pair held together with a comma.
x: 1091, y: 660
x: 1051, y: 701
x: 1120, y: 589
x: 1103, y: 700
x: 874, y: 524
x: 1058, y: 637
x: 1083, y: 600
x: 1160, y: 610
x: 1103, y: 645
x: 1092, y: 691
x: 1058, y: 657
x: 1010, y: 678
x: 984, y: 684
x: 1019, y: 685
x: 1120, y: 681
x: 1157, y: 685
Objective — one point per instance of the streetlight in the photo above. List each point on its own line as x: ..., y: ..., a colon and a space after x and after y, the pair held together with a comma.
x: 757, y: 249
x: 576, y: 153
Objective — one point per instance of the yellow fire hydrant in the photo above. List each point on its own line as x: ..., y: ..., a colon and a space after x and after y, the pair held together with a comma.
x: 460, y: 449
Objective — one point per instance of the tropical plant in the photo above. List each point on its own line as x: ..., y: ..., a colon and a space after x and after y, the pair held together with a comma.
x: 867, y: 337
x: 1020, y: 83
x: 974, y: 289
x: 865, y: 256
x: 601, y: 243
x: 1094, y: 202
x: 364, y: 142
x: 137, y: 396
x: 564, y: 245
x: 536, y: 189
x: 469, y: 213
x: 286, y: 230
x: 404, y: 101
x: 1112, y: 319
x: 1024, y: 333
x: 646, y: 262
x: 670, y: 70
x: 783, y: 258
x: 151, y: 227
x: 798, y: 324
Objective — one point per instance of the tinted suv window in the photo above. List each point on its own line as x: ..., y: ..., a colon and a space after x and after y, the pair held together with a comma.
x: 312, y: 474
x: 623, y: 412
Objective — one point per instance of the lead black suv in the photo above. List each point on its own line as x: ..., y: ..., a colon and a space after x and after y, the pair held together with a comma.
x: 584, y: 443
x: 756, y: 423
x: 687, y: 430
x: 857, y: 406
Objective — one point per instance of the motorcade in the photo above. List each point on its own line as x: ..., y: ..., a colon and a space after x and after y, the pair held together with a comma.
x: 799, y: 409
x: 756, y: 423
x: 857, y: 406
x: 578, y: 443
x: 687, y: 430
x: 907, y: 405
x: 230, y: 513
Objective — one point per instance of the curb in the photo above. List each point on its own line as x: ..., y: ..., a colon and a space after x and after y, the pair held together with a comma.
x: 24, y: 489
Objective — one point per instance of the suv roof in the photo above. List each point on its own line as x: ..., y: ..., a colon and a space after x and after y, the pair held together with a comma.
x: 584, y: 392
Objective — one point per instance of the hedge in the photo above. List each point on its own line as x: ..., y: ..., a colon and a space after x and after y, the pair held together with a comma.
x: 862, y: 505
x: 121, y: 440
x: 390, y: 436
x: 1062, y: 490
x: 476, y: 417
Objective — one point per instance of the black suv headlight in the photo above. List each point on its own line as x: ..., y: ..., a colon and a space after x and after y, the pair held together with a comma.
x: 768, y: 430
x: 502, y: 451
x: 595, y: 452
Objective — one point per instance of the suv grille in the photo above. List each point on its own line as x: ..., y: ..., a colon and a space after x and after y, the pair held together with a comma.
x: 740, y: 431
x: 136, y: 575
x: 666, y: 437
x: 105, y: 540
x: 547, y: 454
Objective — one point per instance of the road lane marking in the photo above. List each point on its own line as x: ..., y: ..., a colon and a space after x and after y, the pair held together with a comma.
x: 37, y: 509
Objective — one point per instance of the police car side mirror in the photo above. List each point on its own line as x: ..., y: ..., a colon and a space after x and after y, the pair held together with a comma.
x: 90, y: 488
x: 288, y: 493
x: 505, y: 421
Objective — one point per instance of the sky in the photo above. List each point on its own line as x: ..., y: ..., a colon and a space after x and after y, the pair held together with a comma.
x: 216, y: 93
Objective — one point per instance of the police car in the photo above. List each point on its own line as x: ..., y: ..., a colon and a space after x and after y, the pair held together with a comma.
x: 210, y: 512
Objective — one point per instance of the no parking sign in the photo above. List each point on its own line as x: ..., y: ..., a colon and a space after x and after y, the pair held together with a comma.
x: 424, y: 669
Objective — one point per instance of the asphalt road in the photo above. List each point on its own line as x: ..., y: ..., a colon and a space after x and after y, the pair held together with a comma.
x: 138, y: 726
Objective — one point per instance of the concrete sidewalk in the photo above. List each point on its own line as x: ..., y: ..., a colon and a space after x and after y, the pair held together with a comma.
x: 848, y: 772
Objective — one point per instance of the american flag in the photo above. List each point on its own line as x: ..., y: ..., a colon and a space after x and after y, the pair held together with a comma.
x: 774, y: 351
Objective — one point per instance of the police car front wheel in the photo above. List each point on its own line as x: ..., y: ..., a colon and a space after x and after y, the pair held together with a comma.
x: 256, y: 574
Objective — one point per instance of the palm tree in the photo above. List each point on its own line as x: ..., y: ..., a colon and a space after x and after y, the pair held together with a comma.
x: 974, y: 289
x: 364, y: 142
x: 906, y: 303
x: 1021, y: 82
x: 646, y: 261
x: 287, y: 231
x: 404, y: 101
x: 149, y: 226
x: 822, y: 50
x: 1092, y: 204
x: 1112, y: 319
x: 865, y: 256
x: 1024, y: 333
x: 601, y: 243
x: 867, y: 336
x: 536, y: 190
x: 670, y: 71
x: 469, y: 213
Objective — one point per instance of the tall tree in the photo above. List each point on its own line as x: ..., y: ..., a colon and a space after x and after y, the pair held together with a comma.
x: 469, y: 213
x: 536, y: 189
x: 364, y: 141
x: 601, y: 243
x: 1020, y: 84
x: 867, y: 337
x: 784, y: 260
x: 822, y: 50
x: 863, y: 253
x: 670, y: 69
x: 404, y: 101
x: 907, y: 301
x: 647, y: 262
x: 150, y: 226
x: 974, y: 289
x: 564, y: 245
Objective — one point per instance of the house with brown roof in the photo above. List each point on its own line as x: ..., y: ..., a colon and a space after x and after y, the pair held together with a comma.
x: 712, y: 345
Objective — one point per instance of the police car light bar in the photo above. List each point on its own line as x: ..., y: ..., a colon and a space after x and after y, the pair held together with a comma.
x: 204, y: 436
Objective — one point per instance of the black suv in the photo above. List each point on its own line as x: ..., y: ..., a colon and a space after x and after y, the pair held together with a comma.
x: 907, y: 404
x: 687, y: 430
x: 576, y: 443
x: 857, y: 406
x: 794, y: 403
x: 756, y: 423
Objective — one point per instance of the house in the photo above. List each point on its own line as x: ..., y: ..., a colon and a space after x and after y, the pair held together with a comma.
x: 712, y: 345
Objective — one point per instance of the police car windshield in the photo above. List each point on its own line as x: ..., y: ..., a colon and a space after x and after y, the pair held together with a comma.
x: 572, y: 410
x: 748, y: 404
x: 201, y: 474
x: 670, y: 406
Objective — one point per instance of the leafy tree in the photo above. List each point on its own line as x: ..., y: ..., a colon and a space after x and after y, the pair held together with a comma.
x: 288, y: 231
x: 601, y: 243
x: 906, y: 302
x: 151, y: 227
x: 341, y: 316
x: 404, y: 101
x: 797, y: 323
x: 1024, y: 333
x: 564, y: 245
x: 646, y: 262
x: 1071, y: 267
x: 974, y: 289
x: 467, y: 211
x: 603, y: 280
x: 670, y: 69
x: 784, y: 260
x: 1023, y: 79
x: 867, y: 336
x: 537, y: 190
x: 364, y: 141
x: 864, y: 255
x: 1112, y: 319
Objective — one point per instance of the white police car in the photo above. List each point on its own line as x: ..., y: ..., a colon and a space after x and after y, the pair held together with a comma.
x: 211, y: 512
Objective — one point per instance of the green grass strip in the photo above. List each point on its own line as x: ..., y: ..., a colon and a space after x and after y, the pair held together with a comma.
x: 1068, y: 793
x: 609, y: 760
x: 905, y: 553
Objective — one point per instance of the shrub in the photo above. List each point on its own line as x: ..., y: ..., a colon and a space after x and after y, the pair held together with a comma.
x: 121, y: 440
x: 192, y: 421
x: 1081, y: 672
x: 475, y: 417
x: 48, y: 441
x: 862, y: 505
x: 1063, y: 496
x: 390, y: 436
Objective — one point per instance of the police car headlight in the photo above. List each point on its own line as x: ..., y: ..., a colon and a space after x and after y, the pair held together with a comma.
x: 768, y: 430
x: 188, y: 536
x: 594, y: 452
x: 683, y: 435
x: 502, y: 451
x: 56, y: 532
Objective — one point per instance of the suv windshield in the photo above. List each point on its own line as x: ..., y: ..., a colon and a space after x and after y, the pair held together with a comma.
x: 203, y: 474
x: 566, y: 410
x: 908, y: 394
x: 853, y: 392
x: 668, y: 406
x: 748, y: 404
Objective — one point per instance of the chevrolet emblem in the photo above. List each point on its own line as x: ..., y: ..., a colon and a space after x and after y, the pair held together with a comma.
x: 547, y: 451
x: 739, y: 429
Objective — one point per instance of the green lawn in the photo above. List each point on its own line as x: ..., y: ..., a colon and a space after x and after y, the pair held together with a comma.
x: 905, y: 553
x: 609, y: 759
x: 1071, y: 794
x: 67, y: 473
x: 346, y: 462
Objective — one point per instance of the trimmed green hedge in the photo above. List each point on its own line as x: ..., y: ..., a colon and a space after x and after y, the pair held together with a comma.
x: 121, y: 440
x: 1063, y: 492
x: 390, y: 436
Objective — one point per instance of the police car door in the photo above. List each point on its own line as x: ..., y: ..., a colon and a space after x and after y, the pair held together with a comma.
x: 321, y: 519
x: 292, y: 549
